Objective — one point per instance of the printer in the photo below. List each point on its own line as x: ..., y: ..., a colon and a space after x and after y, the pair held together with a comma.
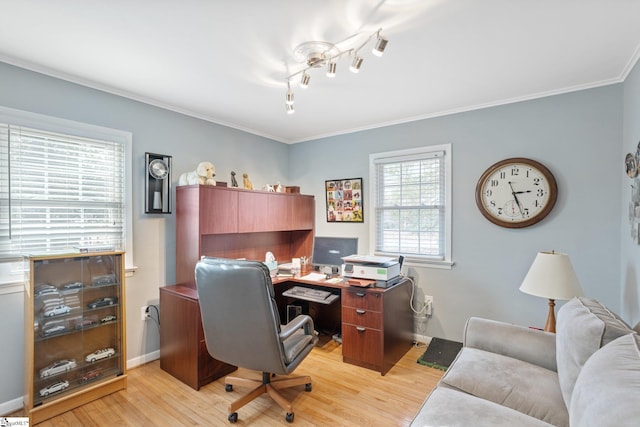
x: 384, y: 270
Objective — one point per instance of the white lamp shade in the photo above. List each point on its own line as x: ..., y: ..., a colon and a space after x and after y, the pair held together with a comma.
x: 552, y: 276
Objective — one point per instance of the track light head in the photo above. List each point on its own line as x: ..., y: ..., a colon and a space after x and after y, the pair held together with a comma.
x: 356, y: 64
x: 304, y: 80
x: 290, y: 109
x: 380, y: 46
x: 331, y: 69
x: 289, y: 99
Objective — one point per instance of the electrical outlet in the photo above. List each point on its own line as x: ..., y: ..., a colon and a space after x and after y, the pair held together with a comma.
x: 428, y: 303
x: 144, y: 312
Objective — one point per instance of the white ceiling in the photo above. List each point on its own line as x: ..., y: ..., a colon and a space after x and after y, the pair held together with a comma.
x: 227, y: 61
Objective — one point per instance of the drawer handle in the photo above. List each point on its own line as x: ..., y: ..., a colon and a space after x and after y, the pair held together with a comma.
x: 361, y: 311
x: 360, y: 294
x: 360, y: 329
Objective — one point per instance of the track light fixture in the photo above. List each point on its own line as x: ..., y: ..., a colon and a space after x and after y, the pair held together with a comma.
x: 316, y: 54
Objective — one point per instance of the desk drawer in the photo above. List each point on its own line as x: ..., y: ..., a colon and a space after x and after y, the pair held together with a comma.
x: 362, y: 344
x: 360, y: 298
x: 362, y: 317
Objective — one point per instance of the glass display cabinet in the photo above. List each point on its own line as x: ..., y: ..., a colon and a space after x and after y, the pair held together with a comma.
x: 74, y: 331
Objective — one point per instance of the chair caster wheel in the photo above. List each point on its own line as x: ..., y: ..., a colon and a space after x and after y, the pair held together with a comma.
x: 228, y: 388
x: 289, y: 417
x: 307, y: 387
x: 233, y: 417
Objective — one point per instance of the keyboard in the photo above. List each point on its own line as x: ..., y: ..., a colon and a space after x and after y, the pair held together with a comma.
x: 309, y: 294
x: 313, y: 293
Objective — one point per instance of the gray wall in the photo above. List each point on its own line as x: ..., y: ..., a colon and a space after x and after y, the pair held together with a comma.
x: 579, y: 136
x: 630, y: 257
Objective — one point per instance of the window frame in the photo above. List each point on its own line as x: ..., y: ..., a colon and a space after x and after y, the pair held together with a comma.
x: 405, y: 155
x: 73, y: 128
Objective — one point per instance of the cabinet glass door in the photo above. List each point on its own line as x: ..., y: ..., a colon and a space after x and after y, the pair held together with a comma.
x: 76, y: 315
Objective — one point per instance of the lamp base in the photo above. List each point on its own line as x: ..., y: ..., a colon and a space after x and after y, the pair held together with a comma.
x: 550, y: 326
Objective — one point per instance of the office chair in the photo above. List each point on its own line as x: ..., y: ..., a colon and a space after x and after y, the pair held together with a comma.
x: 242, y: 327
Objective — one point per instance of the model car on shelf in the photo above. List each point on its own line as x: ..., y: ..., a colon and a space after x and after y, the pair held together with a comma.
x: 49, y: 330
x: 100, y: 354
x: 91, y: 375
x: 86, y: 322
x: 57, y: 367
x: 101, y: 302
x: 54, y: 388
x: 73, y: 285
x: 56, y: 310
x: 105, y: 279
x: 45, y: 290
x: 108, y: 318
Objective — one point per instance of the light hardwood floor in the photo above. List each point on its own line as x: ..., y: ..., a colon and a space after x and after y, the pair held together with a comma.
x: 342, y: 395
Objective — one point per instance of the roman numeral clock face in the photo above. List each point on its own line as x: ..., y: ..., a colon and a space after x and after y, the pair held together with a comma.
x: 516, y: 193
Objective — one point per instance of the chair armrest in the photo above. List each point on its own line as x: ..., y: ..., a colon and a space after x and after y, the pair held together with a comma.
x: 301, y: 321
x: 526, y: 344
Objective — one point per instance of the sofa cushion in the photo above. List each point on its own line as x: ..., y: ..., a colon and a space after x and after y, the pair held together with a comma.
x: 521, y: 386
x: 452, y: 408
x: 584, y: 325
x: 607, y: 391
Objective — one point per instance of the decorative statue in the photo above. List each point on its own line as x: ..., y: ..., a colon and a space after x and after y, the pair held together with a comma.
x: 234, y: 183
x: 247, y: 184
x: 204, y: 174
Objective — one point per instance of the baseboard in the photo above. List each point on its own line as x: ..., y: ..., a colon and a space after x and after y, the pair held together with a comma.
x: 141, y: 360
x: 421, y: 338
x: 11, y: 406
x: 16, y: 404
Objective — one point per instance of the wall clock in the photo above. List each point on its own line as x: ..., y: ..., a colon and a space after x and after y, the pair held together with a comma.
x: 157, y: 183
x: 516, y: 192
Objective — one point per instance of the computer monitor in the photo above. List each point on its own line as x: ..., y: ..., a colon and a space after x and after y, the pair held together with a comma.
x: 329, y: 251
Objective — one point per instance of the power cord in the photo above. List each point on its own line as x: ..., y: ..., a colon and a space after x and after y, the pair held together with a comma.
x: 157, y: 318
x: 420, y: 326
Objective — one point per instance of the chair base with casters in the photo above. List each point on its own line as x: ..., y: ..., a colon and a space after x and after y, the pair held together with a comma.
x: 269, y: 385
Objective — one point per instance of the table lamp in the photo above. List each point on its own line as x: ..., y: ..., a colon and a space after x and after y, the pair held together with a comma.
x: 551, y: 276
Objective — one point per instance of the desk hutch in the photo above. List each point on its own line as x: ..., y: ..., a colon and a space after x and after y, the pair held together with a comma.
x: 225, y: 222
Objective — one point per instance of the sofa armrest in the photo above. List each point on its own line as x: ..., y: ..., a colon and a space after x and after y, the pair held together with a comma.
x: 526, y: 344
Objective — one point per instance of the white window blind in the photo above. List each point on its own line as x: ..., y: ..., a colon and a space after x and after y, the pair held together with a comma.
x: 59, y: 191
x: 411, y: 194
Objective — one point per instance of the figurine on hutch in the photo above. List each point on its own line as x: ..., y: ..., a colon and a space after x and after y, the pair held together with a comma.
x: 204, y: 174
x: 247, y: 184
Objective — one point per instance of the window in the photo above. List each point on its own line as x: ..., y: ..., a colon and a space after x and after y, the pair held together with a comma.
x: 62, y: 185
x: 411, y: 196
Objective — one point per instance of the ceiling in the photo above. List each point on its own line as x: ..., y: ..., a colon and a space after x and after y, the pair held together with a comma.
x: 228, y: 61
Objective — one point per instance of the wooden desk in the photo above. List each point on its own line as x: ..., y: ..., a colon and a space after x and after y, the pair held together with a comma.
x: 376, y: 324
x: 183, y: 351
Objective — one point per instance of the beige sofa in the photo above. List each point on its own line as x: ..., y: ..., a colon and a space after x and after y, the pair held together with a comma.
x: 588, y: 374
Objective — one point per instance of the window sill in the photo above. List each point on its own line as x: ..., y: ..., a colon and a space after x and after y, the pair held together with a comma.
x: 417, y: 262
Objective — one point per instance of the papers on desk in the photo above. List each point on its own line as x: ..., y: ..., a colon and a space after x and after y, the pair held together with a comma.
x: 315, y: 277
x: 285, y: 266
x: 321, y: 277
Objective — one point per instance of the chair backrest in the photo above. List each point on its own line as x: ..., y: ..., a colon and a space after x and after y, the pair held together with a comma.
x: 239, y: 314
